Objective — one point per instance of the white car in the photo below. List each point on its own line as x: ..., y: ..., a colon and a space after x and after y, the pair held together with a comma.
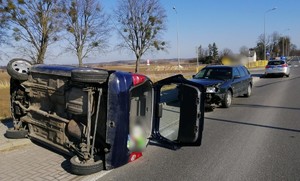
x: 277, y: 67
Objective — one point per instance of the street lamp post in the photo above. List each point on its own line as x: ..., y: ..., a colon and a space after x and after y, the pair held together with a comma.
x: 197, y: 52
x: 265, y: 30
x: 174, y: 8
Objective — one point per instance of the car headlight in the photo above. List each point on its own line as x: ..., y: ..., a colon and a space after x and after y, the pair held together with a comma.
x: 211, y: 90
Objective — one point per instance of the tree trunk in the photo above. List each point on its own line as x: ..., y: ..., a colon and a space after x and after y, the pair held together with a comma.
x: 41, y: 55
x: 79, y: 56
x: 80, y: 61
x: 137, y: 64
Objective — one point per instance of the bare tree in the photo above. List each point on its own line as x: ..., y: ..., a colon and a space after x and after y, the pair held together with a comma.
x: 141, y: 23
x: 275, y: 36
x: 35, y: 22
x: 244, y: 51
x: 3, y: 32
x: 200, y: 51
x: 226, y: 52
x: 87, y: 26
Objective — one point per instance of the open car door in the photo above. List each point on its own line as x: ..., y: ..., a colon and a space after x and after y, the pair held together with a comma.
x: 178, y: 113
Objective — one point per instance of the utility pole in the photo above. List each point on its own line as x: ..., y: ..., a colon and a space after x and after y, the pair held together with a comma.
x: 174, y: 8
x: 265, y: 30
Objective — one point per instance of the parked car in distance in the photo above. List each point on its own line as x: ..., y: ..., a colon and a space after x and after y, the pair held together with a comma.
x: 277, y: 67
x: 224, y: 82
x: 104, y: 119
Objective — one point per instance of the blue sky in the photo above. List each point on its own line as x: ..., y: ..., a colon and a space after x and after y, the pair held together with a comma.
x: 228, y: 23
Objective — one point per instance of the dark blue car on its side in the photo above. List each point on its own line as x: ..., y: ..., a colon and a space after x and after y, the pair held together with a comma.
x: 104, y: 119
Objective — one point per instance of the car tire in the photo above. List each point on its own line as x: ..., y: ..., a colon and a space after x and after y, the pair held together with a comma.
x: 288, y: 75
x: 85, y: 168
x: 89, y: 75
x: 226, y: 103
x: 18, y: 68
x: 249, y: 91
x: 16, y: 134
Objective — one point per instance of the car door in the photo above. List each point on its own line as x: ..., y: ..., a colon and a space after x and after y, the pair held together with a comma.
x: 243, y: 80
x: 236, y: 81
x: 178, y: 113
x: 248, y: 77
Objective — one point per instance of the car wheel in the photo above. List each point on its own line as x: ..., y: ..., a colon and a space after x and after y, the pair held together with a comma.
x: 249, y: 91
x: 19, y: 68
x: 89, y: 75
x: 226, y: 103
x: 288, y: 75
x: 16, y: 134
x: 80, y: 167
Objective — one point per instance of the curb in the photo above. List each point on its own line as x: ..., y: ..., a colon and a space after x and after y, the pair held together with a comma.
x: 14, y: 143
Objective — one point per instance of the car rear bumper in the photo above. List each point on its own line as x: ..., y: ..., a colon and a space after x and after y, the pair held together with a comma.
x: 283, y: 70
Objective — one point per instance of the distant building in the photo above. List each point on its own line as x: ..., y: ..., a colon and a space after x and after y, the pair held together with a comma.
x: 252, y: 56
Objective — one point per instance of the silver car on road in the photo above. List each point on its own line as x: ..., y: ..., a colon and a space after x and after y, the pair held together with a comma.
x: 277, y: 67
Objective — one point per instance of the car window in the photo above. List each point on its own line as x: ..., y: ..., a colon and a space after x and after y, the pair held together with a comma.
x: 215, y: 73
x: 245, y: 70
x: 276, y: 62
x: 235, y: 72
x: 242, y: 73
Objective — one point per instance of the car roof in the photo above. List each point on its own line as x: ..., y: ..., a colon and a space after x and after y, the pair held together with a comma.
x: 276, y: 60
x: 223, y: 66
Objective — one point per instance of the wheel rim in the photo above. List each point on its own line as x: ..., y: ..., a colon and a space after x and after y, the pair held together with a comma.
x: 249, y: 90
x: 77, y: 160
x: 228, y: 100
x: 21, y: 67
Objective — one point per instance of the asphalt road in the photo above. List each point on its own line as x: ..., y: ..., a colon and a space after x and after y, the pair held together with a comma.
x: 258, y: 138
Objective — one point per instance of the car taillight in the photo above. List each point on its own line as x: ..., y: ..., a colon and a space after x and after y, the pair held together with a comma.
x: 284, y: 65
x: 138, y: 79
x: 134, y: 156
x: 268, y: 66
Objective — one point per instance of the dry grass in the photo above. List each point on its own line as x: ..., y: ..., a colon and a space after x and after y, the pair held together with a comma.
x: 4, y: 95
x: 160, y: 71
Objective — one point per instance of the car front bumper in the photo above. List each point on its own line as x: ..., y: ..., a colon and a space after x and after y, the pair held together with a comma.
x: 214, y: 98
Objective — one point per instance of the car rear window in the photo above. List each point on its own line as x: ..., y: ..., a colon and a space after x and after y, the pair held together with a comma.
x: 276, y: 63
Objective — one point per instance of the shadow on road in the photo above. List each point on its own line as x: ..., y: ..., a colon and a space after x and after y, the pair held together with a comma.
x: 264, y: 106
x: 272, y: 83
x: 257, y: 75
x: 252, y: 124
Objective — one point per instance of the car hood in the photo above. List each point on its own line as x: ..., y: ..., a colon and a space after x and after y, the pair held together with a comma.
x: 208, y: 82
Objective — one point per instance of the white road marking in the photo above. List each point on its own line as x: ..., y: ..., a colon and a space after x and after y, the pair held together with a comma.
x: 96, y: 176
x: 296, y: 65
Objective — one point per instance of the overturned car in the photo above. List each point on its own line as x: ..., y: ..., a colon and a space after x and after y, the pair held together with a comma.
x: 103, y: 119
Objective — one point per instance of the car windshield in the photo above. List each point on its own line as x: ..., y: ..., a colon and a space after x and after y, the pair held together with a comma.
x: 215, y: 73
x: 276, y: 62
